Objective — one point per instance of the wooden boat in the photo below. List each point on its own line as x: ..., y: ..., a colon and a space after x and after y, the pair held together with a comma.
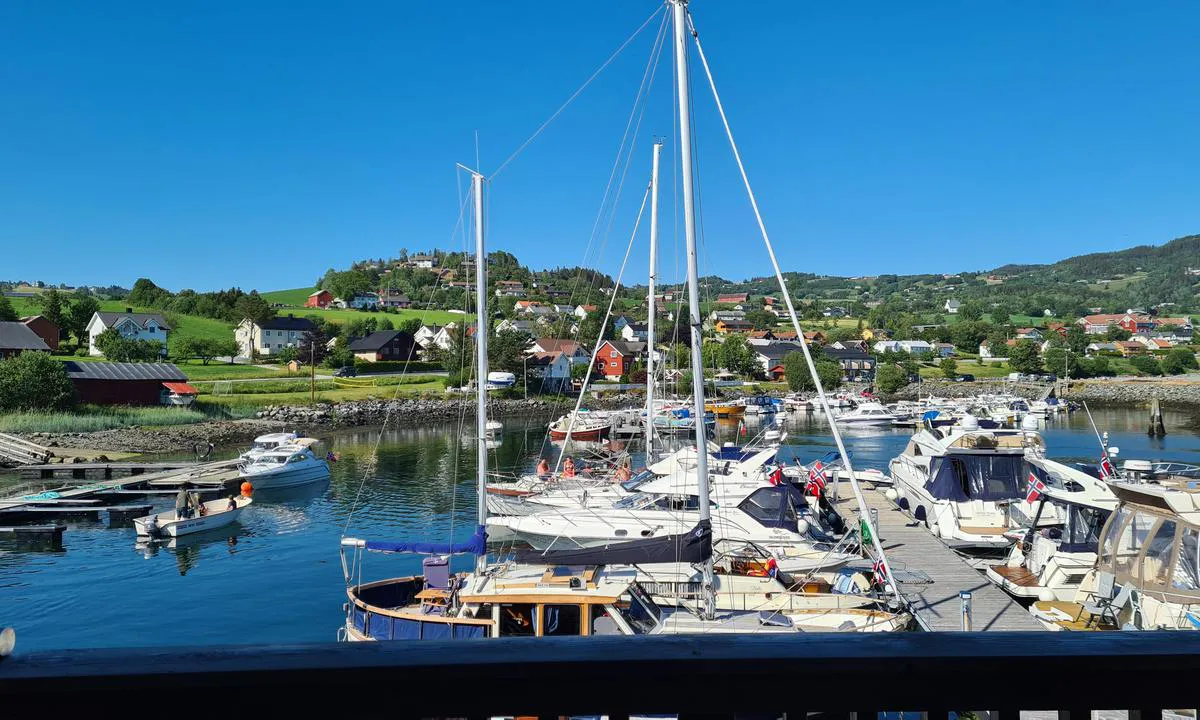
x: 726, y: 409
x: 585, y: 427
x: 166, y: 524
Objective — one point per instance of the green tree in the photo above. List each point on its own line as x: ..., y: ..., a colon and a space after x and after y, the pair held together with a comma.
x: 410, y: 326
x: 949, y: 368
x: 77, y: 317
x: 183, y: 348
x: 339, y: 356
x: 967, y: 334
x: 457, y: 357
x: 971, y: 310
x: 506, y: 352
x: 736, y: 356
x: 1171, y: 364
x: 118, y: 348
x: 799, y: 378
x: 52, y: 307
x: 34, y: 381
x: 7, y: 312
x: 997, y: 341
x: 1061, y: 361
x: 313, y: 346
x: 760, y: 319
x: 1023, y: 357
x: 589, y: 330
x: 145, y: 293
x: 1116, y: 332
x: 1146, y: 364
x: 1077, y: 339
x: 889, y: 378
x: 254, y: 307
x: 287, y: 354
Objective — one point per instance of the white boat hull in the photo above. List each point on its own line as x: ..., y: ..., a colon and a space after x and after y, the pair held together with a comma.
x: 166, y: 524
x: 285, y: 476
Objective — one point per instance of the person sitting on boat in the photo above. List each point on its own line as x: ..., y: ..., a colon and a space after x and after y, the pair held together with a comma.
x: 232, y: 502
x: 568, y: 468
x: 543, y: 469
x: 183, y: 502
x: 197, y: 508
x: 622, y: 474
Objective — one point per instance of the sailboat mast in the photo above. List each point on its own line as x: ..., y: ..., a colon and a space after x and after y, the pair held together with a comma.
x: 481, y: 361
x: 689, y: 223
x: 650, y: 337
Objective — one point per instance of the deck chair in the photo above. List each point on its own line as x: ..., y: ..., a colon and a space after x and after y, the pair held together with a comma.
x: 1099, y: 599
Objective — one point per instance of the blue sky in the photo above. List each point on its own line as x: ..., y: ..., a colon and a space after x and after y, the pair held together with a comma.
x: 211, y: 144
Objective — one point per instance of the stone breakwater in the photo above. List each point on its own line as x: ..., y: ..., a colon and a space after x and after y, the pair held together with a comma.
x: 1119, y: 391
x: 948, y: 389
x: 172, y: 438
x: 413, y: 411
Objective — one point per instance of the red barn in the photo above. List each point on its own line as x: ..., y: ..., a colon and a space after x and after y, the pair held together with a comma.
x: 112, y: 383
x: 319, y: 299
x: 43, y: 328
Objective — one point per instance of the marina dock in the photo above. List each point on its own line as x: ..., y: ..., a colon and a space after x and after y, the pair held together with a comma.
x: 930, y: 575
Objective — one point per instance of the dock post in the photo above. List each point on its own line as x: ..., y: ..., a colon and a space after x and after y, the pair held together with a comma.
x: 1156, y: 428
x: 964, y: 599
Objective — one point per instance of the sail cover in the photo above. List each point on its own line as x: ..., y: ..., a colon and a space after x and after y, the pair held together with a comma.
x: 476, y: 545
x: 692, y: 547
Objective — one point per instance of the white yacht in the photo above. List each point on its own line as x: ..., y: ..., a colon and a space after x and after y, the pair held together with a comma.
x: 961, y: 481
x: 865, y: 415
x: 270, y: 441
x: 285, y: 466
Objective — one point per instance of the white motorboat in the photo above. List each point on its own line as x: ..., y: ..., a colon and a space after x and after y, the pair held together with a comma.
x: 585, y: 426
x: 961, y: 481
x: 216, y: 513
x: 865, y: 415
x: 285, y: 466
x: 268, y: 442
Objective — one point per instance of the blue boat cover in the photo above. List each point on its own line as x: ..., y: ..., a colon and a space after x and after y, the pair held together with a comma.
x: 476, y: 545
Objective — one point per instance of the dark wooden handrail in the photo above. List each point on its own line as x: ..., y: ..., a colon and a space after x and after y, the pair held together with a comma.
x: 711, y: 675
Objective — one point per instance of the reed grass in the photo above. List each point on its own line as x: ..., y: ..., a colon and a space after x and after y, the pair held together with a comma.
x: 91, y: 419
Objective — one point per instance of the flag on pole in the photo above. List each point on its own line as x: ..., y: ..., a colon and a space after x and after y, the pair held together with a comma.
x: 815, y: 476
x: 1036, y: 488
x: 776, y: 476
x: 879, y: 572
x: 1106, y: 468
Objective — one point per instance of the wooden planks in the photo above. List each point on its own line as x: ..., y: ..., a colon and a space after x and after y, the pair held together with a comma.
x: 931, y: 575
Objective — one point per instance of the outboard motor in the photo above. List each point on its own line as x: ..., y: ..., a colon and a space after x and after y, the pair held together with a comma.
x: 152, y: 527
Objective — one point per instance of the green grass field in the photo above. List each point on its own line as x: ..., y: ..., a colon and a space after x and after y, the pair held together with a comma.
x: 302, y: 397
x: 184, y: 326
x: 294, y: 297
x: 195, y: 370
x: 968, y: 367
x: 294, y: 301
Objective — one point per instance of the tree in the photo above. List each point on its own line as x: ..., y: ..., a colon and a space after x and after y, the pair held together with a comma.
x: 968, y: 334
x: 34, y: 381
x: 339, y: 356
x: 457, y: 356
x: 1146, y: 364
x: 1023, y: 357
x: 1116, y: 332
x: 77, y: 317
x: 589, y: 330
x: 889, y: 378
x: 970, y: 310
x: 1186, y: 357
x: 949, y: 368
x: 146, y: 294
x: 312, y: 347
x: 118, y: 348
x: 1058, y: 359
x: 182, y: 348
x: 1171, y: 364
x: 253, y: 307
x: 7, y: 312
x: 1077, y: 339
x: 997, y: 341
x: 410, y: 326
x: 52, y: 306
x: 799, y: 378
x: 506, y: 352
x: 287, y: 354
x: 735, y: 356
x: 760, y: 319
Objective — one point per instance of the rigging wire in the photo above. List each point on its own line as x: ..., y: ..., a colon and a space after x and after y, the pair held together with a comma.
x: 865, y: 516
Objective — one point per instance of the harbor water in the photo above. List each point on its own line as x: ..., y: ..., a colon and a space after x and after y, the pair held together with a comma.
x: 276, y: 576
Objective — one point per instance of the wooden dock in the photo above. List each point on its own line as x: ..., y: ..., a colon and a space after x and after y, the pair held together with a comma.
x: 110, y: 470
x: 930, y: 575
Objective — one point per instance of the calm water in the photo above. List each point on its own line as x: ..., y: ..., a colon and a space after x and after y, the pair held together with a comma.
x: 277, y: 576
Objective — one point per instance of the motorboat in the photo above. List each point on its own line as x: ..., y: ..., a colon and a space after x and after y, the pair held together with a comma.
x: 215, y: 514
x: 680, y: 421
x: 584, y: 426
x: 285, y: 466
x: 268, y: 442
x: 961, y: 480
x: 497, y: 380
x: 1050, y: 563
x: 866, y: 414
x: 762, y: 405
x: 730, y: 409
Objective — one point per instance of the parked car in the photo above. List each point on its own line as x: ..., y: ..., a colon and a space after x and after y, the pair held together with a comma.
x: 966, y: 377
x: 347, y: 371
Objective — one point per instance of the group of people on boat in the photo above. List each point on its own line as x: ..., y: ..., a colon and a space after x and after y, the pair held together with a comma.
x: 188, y: 505
x: 569, y: 469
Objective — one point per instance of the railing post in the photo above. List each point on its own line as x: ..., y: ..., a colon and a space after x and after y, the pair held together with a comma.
x: 964, y: 598
x: 875, y: 523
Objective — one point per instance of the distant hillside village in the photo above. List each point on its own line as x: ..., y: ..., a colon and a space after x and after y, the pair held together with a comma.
x: 415, y: 311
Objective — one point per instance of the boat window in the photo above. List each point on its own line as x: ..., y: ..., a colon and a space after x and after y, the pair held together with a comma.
x: 562, y: 620
x: 638, y: 610
x: 1111, y: 532
x: 1187, y: 566
x: 1083, y: 528
x: 977, y: 477
x: 770, y: 507
x: 517, y: 620
x: 1156, y: 563
x: 1130, y: 542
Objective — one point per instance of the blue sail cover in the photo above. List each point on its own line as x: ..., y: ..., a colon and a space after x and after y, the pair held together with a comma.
x: 477, y: 545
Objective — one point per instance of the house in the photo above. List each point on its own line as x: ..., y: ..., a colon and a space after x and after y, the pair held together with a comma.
x: 131, y: 325
x: 943, y: 349
x: 733, y: 299
x: 582, y: 311
x: 319, y: 299
x: 615, y: 357
x: 635, y: 332
x: 814, y: 337
x: 573, y: 351
x: 1028, y: 333
x: 1101, y: 347
x: 423, y: 261
x: 835, y: 312
x: 393, y: 345
x: 952, y: 306
x: 532, y: 307
x: 768, y: 301
x: 857, y: 365
x: 1057, y: 327
x: 1099, y: 324
x: 619, y: 322
x: 424, y: 337
x: 562, y: 309
x: 272, y: 336
x: 391, y: 298
x: 43, y: 328
x: 908, y: 346
x: 1128, y: 348
x: 509, y: 288
x: 552, y: 368
x: 874, y: 334
x: 524, y: 326
x: 364, y: 301
x: 732, y: 326
x: 1183, y: 325
x: 1153, y: 343
x: 17, y: 337
x: 109, y: 383
x: 770, y: 356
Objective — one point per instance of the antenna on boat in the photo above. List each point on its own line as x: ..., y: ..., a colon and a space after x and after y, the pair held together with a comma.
x: 679, y: 8
x: 650, y: 338
x: 481, y: 362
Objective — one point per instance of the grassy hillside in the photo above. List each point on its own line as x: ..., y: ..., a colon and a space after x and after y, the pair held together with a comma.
x: 294, y: 297
x: 184, y: 325
x: 293, y: 300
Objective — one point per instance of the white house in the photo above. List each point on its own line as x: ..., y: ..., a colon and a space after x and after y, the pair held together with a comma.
x: 908, y: 346
x: 272, y: 336
x: 1102, y: 347
x: 423, y: 261
x: 131, y: 325
x: 425, y: 335
x: 554, y: 369
x: 581, y: 311
x: 952, y: 306
x: 364, y: 301
x: 563, y: 309
x: 525, y: 326
x: 635, y: 332
x: 1029, y: 333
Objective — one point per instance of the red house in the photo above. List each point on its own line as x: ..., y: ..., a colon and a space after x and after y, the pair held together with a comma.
x: 112, y: 383
x: 43, y: 328
x: 319, y: 299
x: 615, y: 358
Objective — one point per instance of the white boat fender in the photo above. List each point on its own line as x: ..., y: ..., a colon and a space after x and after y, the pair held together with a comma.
x: 1029, y: 422
x: 891, y: 494
x: 802, y: 526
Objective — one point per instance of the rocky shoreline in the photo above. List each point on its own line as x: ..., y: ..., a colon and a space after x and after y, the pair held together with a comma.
x: 414, y: 411
x: 1183, y: 394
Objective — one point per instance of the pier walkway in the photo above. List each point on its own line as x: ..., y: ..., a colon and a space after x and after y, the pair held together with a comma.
x: 930, y: 575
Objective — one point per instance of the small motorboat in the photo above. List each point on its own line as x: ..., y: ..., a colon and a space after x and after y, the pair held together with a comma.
x: 493, y: 427
x: 285, y: 466
x: 215, y: 514
x: 587, y: 426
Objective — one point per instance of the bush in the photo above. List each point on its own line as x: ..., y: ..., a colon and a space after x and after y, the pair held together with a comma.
x: 1186, y: 357
x: 1171, y: 364
x: 1146, y: 364
x: 890, y: 378
x: 35, y: 381
x: 456, y: 380
x: 949, y: 368
x: 82, y: 352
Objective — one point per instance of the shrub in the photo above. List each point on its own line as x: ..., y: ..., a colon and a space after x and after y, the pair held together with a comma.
x: 455, y: 380
x: 890, y: 378
x: 35, y: 381
x: 1146, y: 364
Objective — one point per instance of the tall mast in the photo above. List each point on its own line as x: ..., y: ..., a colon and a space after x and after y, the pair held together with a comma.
x: 650, y: 338
x: 481, y: 361
x: 689, y: 224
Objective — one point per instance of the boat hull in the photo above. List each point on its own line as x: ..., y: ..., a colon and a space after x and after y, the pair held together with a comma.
x: 595, y: 433
x: 286, y: 477
x: 167, y: 525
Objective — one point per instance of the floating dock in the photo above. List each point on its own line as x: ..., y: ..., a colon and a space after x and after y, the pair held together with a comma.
x: 930, y: 575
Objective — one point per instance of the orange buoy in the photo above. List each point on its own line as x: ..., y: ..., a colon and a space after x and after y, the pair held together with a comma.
x: 247, y: 488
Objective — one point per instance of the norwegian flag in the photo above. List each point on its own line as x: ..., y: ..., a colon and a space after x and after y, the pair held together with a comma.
x: 816, y: 476
x: 1036, y: 488
x: 1106, y: 468
x: 776, y: 476
x: 879, y: 572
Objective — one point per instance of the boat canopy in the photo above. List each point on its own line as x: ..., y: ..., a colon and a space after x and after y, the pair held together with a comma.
x: 694, y: 546
x: 959, y: 478
x: 1153, y: 549
x: 477, y: 545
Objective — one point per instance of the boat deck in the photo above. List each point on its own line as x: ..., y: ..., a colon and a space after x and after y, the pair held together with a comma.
x: 931, y: 575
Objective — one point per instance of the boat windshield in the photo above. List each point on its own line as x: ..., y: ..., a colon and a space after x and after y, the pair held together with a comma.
x: 264, y: 445
x: 638, y: 610
x: 959, y: 478
x: 1151, y: 551
x: 638, y: 480
x: 271, y: 460
x: 1082, y: 533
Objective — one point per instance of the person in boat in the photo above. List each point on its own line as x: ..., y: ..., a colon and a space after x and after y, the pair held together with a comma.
x: 623, y: 473
x: 183, y: 501
x: 232, y: 503
x: 543, y: 469
x: 568, y: 468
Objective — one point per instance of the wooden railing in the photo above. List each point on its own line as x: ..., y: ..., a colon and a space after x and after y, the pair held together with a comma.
x: 709, y: 675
